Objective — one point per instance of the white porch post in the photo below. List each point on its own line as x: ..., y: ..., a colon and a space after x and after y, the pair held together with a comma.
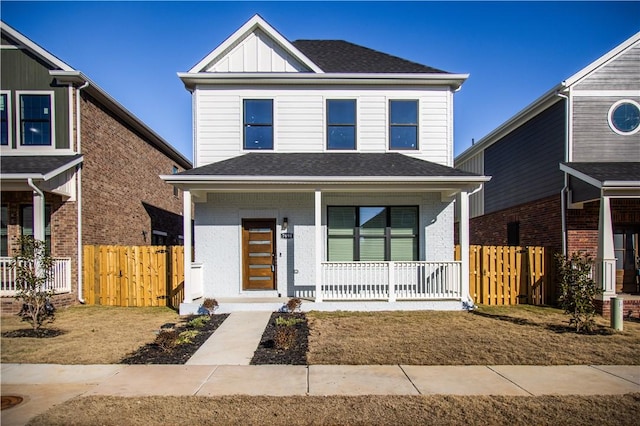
x: 38, y: 212
x: 318, y: 227
x: 186, y: 215
x: 463, y: 233
x: 606, y: 260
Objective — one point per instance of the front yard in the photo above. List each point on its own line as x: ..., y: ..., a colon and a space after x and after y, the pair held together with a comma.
x: 489, y: 336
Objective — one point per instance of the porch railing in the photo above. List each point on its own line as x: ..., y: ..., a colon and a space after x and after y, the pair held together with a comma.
x: 61, y: 281
x: 391, y: 280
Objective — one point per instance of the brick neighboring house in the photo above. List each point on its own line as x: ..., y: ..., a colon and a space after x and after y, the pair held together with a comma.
x: 77, y: 168
x: 566, y: 173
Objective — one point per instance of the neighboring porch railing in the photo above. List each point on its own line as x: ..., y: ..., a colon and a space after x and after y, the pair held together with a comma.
x: 61, y: 282
x: 391, y: 280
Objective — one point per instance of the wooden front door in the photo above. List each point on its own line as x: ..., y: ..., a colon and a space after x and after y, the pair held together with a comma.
x: 258, y: 254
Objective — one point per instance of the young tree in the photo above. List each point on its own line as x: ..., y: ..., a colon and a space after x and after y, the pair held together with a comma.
x: 578, y: 290
x: 34, y: 270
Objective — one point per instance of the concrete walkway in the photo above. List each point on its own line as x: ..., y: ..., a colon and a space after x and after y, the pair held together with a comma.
x: 234, y: 342
x: 43, y: 386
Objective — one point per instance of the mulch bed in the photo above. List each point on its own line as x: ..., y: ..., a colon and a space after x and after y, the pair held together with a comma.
x: 268, y: 353
x: 41, y: 333
x: 153, y: 353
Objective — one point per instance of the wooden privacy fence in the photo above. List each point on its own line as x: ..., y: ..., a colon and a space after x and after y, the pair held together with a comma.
x: 508, y: 275
x: 133, y: 276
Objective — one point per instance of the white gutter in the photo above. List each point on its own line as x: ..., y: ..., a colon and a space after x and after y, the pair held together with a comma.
x: 314, y: 179
x: 79, y: 193
x: 565, y: 189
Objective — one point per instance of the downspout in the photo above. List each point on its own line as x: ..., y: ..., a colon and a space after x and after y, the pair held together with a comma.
x: 565, y: 189
x: 79, y: 192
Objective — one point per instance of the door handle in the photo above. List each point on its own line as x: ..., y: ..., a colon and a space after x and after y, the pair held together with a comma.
x: 273, y: 268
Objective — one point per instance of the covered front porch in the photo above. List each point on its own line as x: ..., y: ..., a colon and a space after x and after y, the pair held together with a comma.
x: 339, y: 242
x: 617, y: 259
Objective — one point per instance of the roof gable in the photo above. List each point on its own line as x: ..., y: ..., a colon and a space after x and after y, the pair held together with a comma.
x: 23, y: 42
x: 256, y: 47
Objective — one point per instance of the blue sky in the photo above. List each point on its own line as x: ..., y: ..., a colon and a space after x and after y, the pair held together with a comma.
x: 513, y: 51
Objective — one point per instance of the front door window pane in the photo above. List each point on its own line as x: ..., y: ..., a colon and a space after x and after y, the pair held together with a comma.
x: 35, y: 119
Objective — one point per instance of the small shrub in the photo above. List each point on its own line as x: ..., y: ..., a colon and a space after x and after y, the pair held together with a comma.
x: 288, y: 322
x: 578, y: 290
x: 285, y: 337
x: 167, y: 339
x: 199, y: 322
x: 34, y: 269
x: 210, y: 305
x: 294, y: 304
x: 186, y: 337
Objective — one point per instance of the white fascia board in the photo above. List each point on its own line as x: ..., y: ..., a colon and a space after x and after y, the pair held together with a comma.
x: 21, y: 176
x: 620, y: 184
x: 185, y: 179
x: 255, y: 22
x: 579, y: 175
x: 524, y: 115
x: 191, y: 80
x: 63, y: 168
x: 38, y: 50
x: 604, y: 59
x: 78, y: 78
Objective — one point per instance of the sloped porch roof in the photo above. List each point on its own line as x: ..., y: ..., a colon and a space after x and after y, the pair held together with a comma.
x: 614, y: 178
x: 327, y: 171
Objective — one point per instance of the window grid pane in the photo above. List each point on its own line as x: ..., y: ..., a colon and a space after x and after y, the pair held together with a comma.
x: 403, y: 124
x: 258, y: 123
x: 4, y: 120
x: 35, y: 119
x: 341, y: 124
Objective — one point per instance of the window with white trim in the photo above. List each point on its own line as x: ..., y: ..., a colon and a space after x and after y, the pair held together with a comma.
x: 403, y: 124
x: 370, y: 233
x: 4, y: 230
x: 36, y: 119
x: 26, y: 222
x: 258, y: 123
x: 5, y: 121
x: 341, y: 124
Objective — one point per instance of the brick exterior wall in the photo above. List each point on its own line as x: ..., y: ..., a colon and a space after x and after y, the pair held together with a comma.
x: 540, y: 224
x: 124, y: 199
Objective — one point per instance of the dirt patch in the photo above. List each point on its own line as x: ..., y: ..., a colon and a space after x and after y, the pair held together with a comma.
x: 269, y: 352
x: 601, y: 410
x: 157, y: 353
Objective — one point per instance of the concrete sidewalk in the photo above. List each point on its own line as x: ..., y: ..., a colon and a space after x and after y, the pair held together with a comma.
x: 43, y: 385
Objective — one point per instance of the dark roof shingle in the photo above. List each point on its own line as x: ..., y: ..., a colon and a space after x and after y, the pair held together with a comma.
x: 34, y: 164
x: 616, y: 171
x: 326, y: 164
x: 344, y: 57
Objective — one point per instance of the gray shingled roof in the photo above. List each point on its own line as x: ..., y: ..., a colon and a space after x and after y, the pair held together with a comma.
x: 602, y: 172
x: 326, y: 164
x: 34, y: 164
x: 343, y: 57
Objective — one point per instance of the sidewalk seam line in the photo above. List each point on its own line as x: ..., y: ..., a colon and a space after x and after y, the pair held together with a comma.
x: 410, y: 381
x: 508, y: 379
x: 308, y: 380
x: 595, y: 367
x: 206, y: 380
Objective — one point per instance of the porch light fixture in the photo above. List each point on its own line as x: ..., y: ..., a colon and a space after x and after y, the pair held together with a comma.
x: 285, y: 223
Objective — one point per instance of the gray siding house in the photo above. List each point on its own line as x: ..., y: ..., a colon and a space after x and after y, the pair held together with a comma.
x: 566, y: 172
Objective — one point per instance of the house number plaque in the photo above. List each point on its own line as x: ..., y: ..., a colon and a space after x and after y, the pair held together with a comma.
x: 286, y: 235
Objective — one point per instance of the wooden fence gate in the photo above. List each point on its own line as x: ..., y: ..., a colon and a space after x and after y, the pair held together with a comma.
x: 133, y: 276
x: 507, y: 275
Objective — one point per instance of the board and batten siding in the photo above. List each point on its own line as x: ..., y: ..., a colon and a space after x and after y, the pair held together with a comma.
x: 593, y: 138
x: 524, y: 164
x: 21, y: 71
x: 300, y: 120
x: 475, y: 165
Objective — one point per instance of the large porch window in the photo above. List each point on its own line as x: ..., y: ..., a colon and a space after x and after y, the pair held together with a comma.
x: 371, y: 234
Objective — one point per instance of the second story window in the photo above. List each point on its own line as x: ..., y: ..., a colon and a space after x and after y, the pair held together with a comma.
x: 403, y: 124
x: 341, y: 124
x: 35, y: 120
x: 258, y: 124
x: 4, y: 119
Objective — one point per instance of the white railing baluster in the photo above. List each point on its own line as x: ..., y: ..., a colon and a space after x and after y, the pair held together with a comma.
x: 61, y: 282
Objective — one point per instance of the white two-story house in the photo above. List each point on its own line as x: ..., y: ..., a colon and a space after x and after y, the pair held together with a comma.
x: 323, y: 170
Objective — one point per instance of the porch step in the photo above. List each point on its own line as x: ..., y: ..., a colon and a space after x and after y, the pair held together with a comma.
x: 234, y: 342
